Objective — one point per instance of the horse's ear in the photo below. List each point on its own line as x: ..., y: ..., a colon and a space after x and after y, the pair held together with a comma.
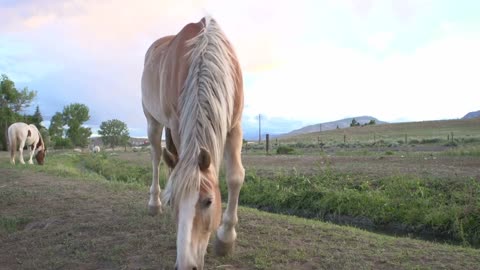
x: 169, y: 158
x: 204, y: 159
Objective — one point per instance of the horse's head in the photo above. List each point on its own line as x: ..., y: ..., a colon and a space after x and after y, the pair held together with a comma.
x: 198, y: 214
x: 40, y: 157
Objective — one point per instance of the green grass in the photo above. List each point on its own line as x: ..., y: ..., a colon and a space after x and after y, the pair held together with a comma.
x: 464, y: 151
x: 10, y: 224
x: 448, y: 209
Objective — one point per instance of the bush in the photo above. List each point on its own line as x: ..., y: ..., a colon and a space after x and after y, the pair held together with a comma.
x: 450, y: 143
x: 431, y: 140
x: 444, y: 208
x: 118, y: 170
x: 62, y: 143
x: 413, y: 141
x: 285, y: 150
x: 470, y: 140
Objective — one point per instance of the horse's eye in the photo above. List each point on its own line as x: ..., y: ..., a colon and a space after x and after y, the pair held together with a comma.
x: 207, y: 202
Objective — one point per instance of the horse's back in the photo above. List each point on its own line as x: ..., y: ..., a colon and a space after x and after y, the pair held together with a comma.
x: 18, y: 130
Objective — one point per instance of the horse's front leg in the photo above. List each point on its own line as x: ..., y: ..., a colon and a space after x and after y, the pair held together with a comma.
x: 20, y: 150
x: 32, y: 151
x: 226, y: 234
x: 155, y: 137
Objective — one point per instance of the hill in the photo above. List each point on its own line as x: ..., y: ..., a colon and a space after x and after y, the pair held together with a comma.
x: 471, y: 115
x: 343, y: 123
x: 394, y: 132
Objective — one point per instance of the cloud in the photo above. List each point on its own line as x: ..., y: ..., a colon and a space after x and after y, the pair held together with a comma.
x: 380, y: 41
x: 325, y: 82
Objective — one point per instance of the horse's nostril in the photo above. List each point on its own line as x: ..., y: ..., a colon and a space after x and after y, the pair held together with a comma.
x: 194, y: 268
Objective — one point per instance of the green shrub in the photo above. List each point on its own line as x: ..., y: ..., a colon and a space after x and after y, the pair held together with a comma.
x: 413, y: 141
x: 118, y: 170
x: 451, y: 143
x: 430, y: 140
x: 447, y: 208
x: 470, y: 140
x: 285, y: 150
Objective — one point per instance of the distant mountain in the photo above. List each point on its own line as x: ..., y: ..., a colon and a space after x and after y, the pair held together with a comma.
x: 471, y: 115
x: 343, y: 123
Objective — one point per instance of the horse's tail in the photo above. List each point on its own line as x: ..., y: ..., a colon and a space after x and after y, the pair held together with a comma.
x: 12, y: 141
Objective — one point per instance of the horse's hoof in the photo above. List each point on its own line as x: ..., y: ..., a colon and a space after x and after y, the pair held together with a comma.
x: 222, y: 248
x: 154, y: 210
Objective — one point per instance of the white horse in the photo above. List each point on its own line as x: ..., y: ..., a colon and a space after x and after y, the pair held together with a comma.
x: 22, y: 134
x: 96, y: 149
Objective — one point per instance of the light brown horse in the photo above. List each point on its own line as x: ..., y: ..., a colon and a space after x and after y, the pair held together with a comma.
x: 21, y: 135
x: 192, y: 85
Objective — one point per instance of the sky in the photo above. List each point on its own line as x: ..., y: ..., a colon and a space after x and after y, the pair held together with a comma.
x: 303, y: 62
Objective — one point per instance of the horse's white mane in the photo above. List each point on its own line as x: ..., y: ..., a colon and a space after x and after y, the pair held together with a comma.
x: 206, y: 108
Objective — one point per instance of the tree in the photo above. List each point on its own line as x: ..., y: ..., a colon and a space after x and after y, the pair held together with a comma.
x: 12, y: 102
x: 354, y: 123
x: 114, y: 133
x: 56, y: 126
x: 56, y: 132
x: 74, y: 115
x: 37, y: 118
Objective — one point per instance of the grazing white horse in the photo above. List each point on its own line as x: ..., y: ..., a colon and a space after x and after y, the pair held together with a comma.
x: 22, y: 134
x: 192, y: 85
x: 96, y: 149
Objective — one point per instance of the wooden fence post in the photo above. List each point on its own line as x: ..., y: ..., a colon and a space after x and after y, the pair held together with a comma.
x: 267, y: 138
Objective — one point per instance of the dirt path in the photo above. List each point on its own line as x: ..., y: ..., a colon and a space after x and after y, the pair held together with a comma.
x: 49, y: 222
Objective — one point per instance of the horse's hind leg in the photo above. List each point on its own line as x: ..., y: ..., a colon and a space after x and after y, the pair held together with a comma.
x: 13, y: 151
x: 155, y: 137
x: 226, y: 234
